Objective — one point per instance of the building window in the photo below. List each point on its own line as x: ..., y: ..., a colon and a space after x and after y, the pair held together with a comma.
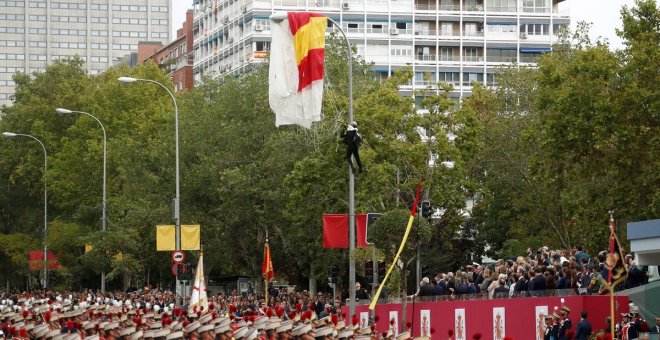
x: 12, y: 4
x: 535, y: 29
x: 536, y: 6
x: 34, y: 4
x: 502, y: 5
x: 12, y: 30
x: 501, y: 55
x: 469, y: 78
x: 501, y: 28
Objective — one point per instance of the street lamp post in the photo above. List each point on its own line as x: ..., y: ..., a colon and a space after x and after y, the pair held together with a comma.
x: 105, y: 143
x: 278, y: 17
x: 177, y: 219
x: 9, y: 135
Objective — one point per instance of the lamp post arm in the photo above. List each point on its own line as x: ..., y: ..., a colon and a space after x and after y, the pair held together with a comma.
x: 351, y: 182
x: 105, y: 146
x: 177, y: 199
x: 45, y: 206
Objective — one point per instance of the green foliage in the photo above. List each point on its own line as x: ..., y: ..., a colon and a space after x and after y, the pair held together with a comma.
x: 552, y: 150
x: 543, y: 156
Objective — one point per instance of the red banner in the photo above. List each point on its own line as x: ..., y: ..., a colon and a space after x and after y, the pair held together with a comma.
x: 36, y: 260
x: 518, y: 316
x: 335, y: 230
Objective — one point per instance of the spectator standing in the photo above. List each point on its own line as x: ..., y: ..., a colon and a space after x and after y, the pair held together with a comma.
x: 479, y: 278
x: 501, y: 291
x: 537, y: 283
x: 426, y: 288
x: 472, y: 288
x: 360, y: 293
x: 579, y: 255
x: 486, y: 281
x: 656, y: 328
x: 493, y: 284
x: 583, y: 328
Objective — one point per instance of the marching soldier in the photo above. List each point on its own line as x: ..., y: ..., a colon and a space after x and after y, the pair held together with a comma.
x: 565, y: 323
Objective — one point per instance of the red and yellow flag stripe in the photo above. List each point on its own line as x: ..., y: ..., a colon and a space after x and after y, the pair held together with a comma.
x: 308, y: 30
x: 372, y: 305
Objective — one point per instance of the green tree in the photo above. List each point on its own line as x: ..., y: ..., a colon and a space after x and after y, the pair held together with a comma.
x: 387, y: 234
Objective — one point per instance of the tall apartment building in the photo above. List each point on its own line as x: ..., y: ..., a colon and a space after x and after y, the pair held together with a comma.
x: 36, y: 32
x: 454, y: 41
x: 176, y: 58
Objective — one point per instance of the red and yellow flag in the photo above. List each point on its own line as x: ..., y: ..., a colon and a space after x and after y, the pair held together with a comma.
x: 374, y: 300
x: 267, y: 267
x: 296, y: 68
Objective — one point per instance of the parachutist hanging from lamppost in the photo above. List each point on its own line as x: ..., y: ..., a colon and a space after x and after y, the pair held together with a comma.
x: 353, y: 141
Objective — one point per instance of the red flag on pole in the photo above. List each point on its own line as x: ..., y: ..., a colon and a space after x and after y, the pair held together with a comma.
x: 267, y: 267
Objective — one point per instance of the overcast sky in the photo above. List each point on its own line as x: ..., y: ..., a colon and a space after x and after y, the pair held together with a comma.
x: 604, y: 14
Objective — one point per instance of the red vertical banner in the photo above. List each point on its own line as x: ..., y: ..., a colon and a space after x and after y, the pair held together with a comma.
x: 335, y: 230
x: 361, y: 229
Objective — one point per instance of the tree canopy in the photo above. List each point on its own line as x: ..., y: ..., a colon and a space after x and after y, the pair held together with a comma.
x: 543, y: 156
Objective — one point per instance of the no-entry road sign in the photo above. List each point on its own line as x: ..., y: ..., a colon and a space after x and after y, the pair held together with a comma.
x: 178, y: 256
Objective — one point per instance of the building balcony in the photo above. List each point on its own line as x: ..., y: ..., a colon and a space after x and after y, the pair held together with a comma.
x: 426, y: 7
x: 450, y: 8
x: 475, y: 8
x: 530, y: 59
x: 535, y: 10
x: 383, y: 31
x: 502, y: 9
x: 473, y: 59
x: 426, y: 83
x: 425, y: 57
x: 450, y: 58
x: 448, y: 34
x: 500, y: 59
x: 426, y: 32
x: 473, y: 34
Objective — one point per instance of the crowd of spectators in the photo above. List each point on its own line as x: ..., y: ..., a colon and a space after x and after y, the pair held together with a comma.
x: 538, y: 273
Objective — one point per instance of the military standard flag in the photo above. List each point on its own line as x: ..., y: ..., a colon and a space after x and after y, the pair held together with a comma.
x: 267, y: 267
x: 199, y: 300
x: 295, y: 78
x: 617, y: 268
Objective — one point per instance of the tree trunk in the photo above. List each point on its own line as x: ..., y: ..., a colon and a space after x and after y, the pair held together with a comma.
x: 312, y: 281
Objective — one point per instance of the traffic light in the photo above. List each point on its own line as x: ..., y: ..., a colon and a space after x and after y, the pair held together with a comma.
x: 381, y: 270
x: 188, y: 274
x: 426, y: 209
x: 369, y: 271
x: 334, y: 273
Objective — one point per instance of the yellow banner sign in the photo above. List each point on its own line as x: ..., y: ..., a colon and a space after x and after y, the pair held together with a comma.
x: 166, y: 237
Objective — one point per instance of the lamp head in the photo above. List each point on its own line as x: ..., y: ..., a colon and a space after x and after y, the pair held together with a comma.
x: 448, y: 164
x: 9, y: 134
x: 279, y: 16
x: 126, y: 80
x: 62, y: 111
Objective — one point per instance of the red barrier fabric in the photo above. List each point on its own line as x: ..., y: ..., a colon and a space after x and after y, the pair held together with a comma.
x: 514, y: 318
x: 335, y: 230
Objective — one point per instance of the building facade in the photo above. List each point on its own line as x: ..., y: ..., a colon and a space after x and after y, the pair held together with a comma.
x: 36, y: 32
x: 176, y: 58
x: 453, y: 41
